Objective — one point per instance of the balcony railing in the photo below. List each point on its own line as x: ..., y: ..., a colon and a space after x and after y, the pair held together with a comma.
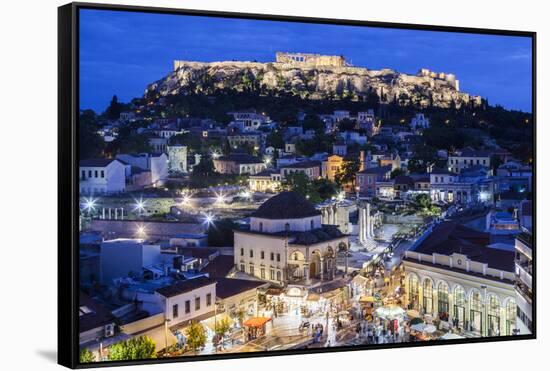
x: 526, y: 238
x: 525, y: 292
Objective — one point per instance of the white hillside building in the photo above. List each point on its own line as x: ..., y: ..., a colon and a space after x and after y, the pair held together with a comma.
x: 101, y: 176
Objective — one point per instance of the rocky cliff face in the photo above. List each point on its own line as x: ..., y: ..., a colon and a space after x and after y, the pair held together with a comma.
x: 311, y: 83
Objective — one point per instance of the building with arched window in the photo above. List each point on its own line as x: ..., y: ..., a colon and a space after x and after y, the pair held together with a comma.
x: 453, y: 276
x: 288, y: 242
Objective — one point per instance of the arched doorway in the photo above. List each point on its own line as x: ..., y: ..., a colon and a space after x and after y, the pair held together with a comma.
x: 296, y: 264
x: 493, y: 316
x: 427, y: 296
x: 413, y: 291
x: 312, y: 269
x: 459, y: 312
x: 315, y: 265
x: 476, y: 312
x: 443, y: 301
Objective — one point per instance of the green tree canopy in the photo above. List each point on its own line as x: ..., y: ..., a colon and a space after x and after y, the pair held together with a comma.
x: 192, y: 142
x: 90, y: 142
x: 313, y: 121
x: 114, y: 109
x: 396, y: 172
x: 346, y: 175
x: 204, y: 169
x: 275, y: 139
x: 141, y: 347
x: 196, y: 336
x: 86, y: 356
x: 222, y: 327
x: 315, y: 191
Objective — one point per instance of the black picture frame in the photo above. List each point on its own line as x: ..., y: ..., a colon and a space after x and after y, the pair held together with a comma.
x: 68, y: 197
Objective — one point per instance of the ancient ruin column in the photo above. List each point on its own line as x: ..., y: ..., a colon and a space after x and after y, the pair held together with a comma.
x: 372, y: 227
x: 360, y: 223
x: 364, y: 224
x: 322, y: 267
x: 369, y: 222
x: 306, y: 268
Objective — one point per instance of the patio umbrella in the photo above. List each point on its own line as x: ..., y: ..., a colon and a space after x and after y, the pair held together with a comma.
x: 451, y: 336
x: 390, y: 311
x: 430, y: 329
x: 419, y: 327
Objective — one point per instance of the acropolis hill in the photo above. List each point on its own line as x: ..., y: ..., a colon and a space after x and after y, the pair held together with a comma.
x: 312, y: 76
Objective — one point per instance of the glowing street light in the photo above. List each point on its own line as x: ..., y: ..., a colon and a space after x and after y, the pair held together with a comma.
x: 140, y: 231
x: 484, y: 196
x: 245, y: 194
x: 89, y: 204
x: 220, y: 198
x: 208, y: 219
x: 186, y: 200
x: 216, y: 155
x: 139, y: 205
x: 267, y: 160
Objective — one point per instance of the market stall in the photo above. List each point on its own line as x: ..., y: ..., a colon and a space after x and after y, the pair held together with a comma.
x: 255, y: 327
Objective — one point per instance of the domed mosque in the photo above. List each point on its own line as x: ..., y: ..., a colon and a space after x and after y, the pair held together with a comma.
x: 287, y: 244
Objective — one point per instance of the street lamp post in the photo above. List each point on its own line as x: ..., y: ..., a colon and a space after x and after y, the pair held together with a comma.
x: 215, y: 323
x: 166, y: 320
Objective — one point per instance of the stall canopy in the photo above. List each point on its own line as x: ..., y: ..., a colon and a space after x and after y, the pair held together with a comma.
x: 419, y: 327
x: 256, y: 322
x: 430, y: 329
x: 390, y: 312
x: 451, y: 336
x: 313, y: 297
x: 413, y: 314
x: 367, y: 299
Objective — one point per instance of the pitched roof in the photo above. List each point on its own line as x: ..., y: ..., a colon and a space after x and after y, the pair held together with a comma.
x: 404, y: 179
x: 286, y: 205
x: 220, y: 266
x: 181, y: 287
x: 449, y: 237
x: 226, y: 287
x: 97, y: 162
x: 442, y: 172
x: 197, y: 252
x: 468, y: 152
x: 325, y: 233
x: 97, y: 316
x: 241, y: 158
x: 376, y: 170
x: 302, y: 165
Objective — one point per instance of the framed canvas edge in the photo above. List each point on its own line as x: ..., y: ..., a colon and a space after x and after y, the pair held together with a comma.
x: 68, y: 199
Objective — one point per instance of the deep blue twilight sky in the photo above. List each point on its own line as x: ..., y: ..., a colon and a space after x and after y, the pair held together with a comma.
x: 122, y: 52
